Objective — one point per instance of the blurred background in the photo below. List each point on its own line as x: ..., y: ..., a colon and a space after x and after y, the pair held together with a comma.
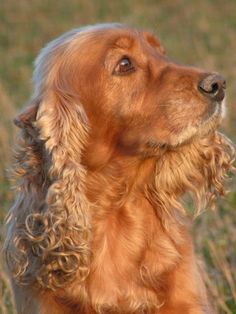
x: 200, y: 33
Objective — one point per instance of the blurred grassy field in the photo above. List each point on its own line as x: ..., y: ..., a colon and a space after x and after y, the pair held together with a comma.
x: 201, y: 33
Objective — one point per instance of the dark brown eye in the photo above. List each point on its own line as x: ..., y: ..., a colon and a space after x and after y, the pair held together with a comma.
x: 125, y: 66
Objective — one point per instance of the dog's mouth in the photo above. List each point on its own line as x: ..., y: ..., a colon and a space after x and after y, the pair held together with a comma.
x: 205, y: 125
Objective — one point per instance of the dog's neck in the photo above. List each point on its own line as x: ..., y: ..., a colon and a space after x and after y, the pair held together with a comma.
x: 197, y: 168
x: 121, y: 177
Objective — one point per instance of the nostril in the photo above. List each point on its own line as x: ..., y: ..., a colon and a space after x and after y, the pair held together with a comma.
x: 209, y: 89
x: 212, y: 86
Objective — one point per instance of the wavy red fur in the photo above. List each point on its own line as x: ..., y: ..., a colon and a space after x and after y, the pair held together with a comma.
x: 102, y: 164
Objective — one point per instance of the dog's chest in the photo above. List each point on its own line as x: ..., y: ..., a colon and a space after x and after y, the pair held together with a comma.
x: 131, y: 251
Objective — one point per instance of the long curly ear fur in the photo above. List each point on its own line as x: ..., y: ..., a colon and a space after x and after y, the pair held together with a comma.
x: 48, y: 240
x: 47, y: 243
x: 48, y: 232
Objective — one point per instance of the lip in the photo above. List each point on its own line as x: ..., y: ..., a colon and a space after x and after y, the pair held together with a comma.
x: 212, y: 121
x: 215, y: 111
x: 205, y: 125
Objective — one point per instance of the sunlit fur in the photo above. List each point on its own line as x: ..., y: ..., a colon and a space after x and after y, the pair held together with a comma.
x: 99, y: 228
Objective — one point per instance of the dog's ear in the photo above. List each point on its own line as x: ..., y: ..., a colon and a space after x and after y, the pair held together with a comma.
x: 25, y: 119
x: 28, y: 155
x: 48, y: 226
x: 49, y: 223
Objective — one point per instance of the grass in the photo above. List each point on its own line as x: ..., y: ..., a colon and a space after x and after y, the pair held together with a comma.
x: 201, y: 33
x: 215, y: 239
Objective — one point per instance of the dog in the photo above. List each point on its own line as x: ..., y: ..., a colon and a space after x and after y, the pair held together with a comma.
x: 113, y: 137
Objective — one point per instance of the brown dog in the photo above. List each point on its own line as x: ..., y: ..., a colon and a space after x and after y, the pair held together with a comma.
x: 115, y: 135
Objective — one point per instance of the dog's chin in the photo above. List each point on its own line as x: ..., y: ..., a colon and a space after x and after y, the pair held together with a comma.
x: 187, y: 135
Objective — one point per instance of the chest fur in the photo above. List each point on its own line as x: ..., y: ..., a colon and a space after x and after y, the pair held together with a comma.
x: 131, y: 252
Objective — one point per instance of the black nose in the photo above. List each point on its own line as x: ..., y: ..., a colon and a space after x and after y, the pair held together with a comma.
x: 213, y: 86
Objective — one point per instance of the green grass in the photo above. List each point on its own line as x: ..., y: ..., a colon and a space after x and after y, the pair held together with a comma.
x: 201, y: 33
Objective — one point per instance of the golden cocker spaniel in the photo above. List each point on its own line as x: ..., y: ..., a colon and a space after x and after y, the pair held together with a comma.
x: 115, y: 135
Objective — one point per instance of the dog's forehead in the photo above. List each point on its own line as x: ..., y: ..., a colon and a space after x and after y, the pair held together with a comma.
x: 124, y: 37
x: 139, y: 42
x: 129, y: 37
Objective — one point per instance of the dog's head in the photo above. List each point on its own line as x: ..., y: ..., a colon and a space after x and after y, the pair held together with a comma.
x: 133, y: 96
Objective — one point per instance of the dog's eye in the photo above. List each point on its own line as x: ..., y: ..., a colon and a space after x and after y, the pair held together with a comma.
x: 124, y: 66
